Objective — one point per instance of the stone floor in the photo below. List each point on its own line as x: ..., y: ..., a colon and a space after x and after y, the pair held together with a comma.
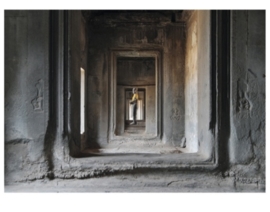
x: 137, y: 184
x: 132, y: 193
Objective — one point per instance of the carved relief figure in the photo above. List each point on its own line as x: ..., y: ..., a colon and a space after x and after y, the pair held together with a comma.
x: 37, y: 102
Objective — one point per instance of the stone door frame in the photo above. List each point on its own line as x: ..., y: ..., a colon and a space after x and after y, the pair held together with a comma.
x: 116, y: 53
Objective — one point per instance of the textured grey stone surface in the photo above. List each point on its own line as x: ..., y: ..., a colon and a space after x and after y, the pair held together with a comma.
x: 138, y: 183
x: 42, y: 111
x: 247, y: 141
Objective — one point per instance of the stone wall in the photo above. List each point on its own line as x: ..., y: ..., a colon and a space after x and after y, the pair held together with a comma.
x: 247, y: 140
x: 191, y: 83
x: 205, y: 110
x: 197, y: 82
x: 26, y: 93
x: 136, y: 71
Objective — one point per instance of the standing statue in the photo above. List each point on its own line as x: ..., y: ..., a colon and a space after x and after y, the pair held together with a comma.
x: 134, y: 101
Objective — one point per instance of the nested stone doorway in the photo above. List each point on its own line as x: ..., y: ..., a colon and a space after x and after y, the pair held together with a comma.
x: 139, y: 69
x: 135, y: 72
x: 139, y: 127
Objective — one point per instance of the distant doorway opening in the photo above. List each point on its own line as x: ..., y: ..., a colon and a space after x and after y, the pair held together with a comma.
x: 140, y: 113
x: 135, y: 69
x: 139, y: 73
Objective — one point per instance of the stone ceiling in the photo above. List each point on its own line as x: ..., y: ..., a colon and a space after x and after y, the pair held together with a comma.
x: 133, y: 16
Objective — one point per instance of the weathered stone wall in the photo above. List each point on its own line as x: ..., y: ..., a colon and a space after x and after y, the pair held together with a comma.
x: 197, y: 82
x: 34, y: 115
x: 136, y: 72
x: 173, y: 86
x: 97, y: 90
x: 247, y: 141
x: 26, y: 93
x: 205, y: 136
x: 191, y: 82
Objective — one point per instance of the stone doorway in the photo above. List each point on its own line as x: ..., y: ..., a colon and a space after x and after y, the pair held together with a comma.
x: 138, y: 69
x: 135, y: 72
x: 139, y: 128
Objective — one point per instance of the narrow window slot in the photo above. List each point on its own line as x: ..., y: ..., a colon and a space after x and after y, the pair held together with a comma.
x: 82, y: 102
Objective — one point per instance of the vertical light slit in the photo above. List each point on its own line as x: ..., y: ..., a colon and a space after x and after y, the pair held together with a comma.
x: 82, y: 103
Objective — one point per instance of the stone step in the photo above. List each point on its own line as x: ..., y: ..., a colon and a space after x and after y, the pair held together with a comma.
x: 135, y: 129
